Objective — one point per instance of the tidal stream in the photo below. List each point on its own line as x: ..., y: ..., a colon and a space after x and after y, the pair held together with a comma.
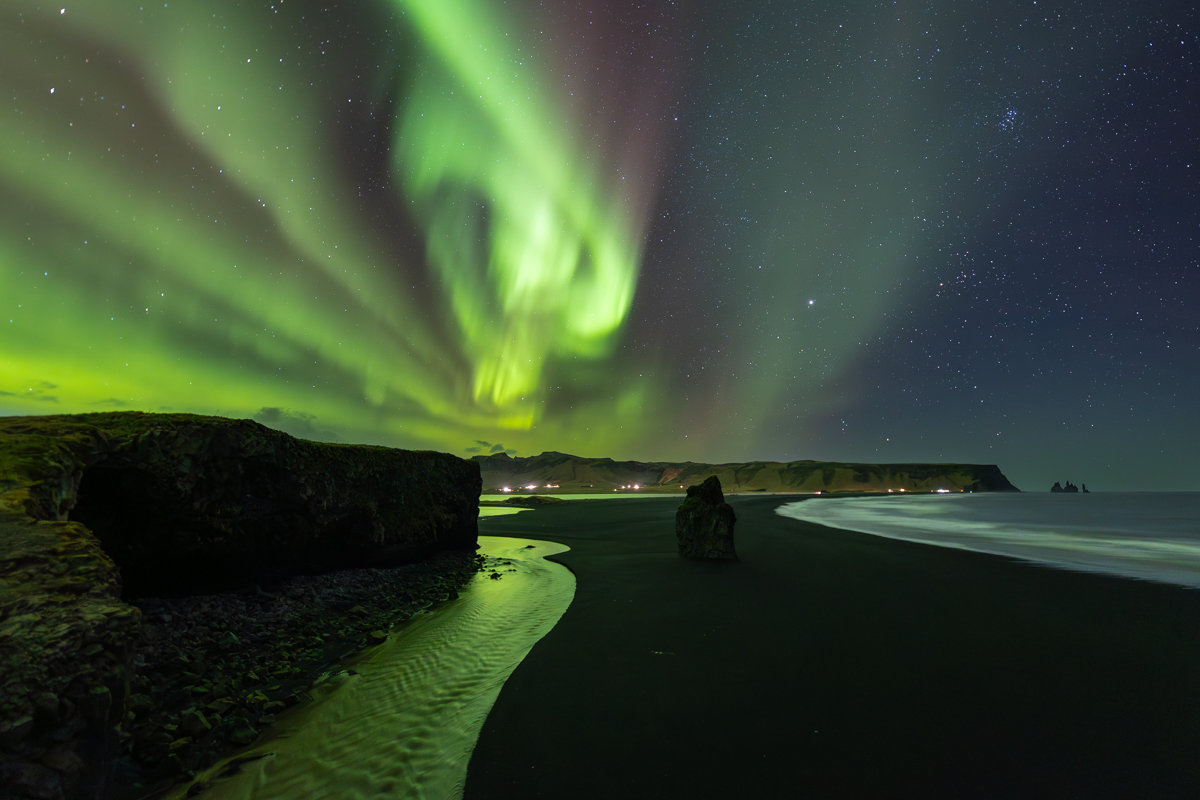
x: 401, y: 720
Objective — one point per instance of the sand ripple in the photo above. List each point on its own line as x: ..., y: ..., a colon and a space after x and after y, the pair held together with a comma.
x: 402, y: 721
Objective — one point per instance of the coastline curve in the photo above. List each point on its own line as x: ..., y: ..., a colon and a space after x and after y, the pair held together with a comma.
x: 1139, y: 535
x: 402, y: 719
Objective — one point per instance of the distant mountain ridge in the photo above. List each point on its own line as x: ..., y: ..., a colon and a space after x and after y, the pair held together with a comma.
x: 574, y: 473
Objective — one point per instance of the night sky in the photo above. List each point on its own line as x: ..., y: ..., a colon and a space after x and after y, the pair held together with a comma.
x: 944, y: 231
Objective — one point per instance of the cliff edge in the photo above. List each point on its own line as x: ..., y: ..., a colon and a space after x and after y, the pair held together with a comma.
x: 94, y: 507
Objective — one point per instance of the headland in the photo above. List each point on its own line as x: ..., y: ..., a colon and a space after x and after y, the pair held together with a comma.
x: 560, y: 472
x: 168, y: 582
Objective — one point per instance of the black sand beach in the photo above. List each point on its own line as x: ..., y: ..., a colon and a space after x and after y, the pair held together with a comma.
x: 834, y: 664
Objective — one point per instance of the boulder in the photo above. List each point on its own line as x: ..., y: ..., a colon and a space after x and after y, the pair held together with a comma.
x: 704, y: 522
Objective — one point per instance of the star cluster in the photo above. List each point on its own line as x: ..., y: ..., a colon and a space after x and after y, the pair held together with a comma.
x: 945, y: 232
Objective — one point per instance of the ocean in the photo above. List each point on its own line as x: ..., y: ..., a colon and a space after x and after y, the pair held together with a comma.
x: 1144, y: 535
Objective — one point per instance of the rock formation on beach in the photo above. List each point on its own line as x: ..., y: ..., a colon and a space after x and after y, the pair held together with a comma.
x: 98, y: 508
x: 576, y: 474
x: 704, y: 522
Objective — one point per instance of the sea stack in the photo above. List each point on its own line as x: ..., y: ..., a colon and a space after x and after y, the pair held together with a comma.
x: 704, y: 523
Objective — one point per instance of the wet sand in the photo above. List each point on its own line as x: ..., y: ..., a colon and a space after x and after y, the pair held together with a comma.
x: 400, y: 720
x: 835, y: 664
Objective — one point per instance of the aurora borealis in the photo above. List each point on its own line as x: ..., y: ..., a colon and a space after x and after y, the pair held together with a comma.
x: 184, y: 230
x: 716, y: 231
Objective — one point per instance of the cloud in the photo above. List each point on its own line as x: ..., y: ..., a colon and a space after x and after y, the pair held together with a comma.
x: 481, y: 445
x: 297, y: 423
x: 37, y: 391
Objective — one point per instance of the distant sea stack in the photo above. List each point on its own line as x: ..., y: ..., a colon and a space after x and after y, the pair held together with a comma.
x: 97, y: 507
x: 577, y: 474
x: 1070, y: 487
x: 704, y: 522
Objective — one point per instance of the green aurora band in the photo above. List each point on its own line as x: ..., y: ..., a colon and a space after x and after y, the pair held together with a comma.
x: 178, y: 230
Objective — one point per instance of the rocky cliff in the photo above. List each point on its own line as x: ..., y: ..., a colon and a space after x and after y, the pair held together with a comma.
x: 97, y: 507
x: 573, y: 473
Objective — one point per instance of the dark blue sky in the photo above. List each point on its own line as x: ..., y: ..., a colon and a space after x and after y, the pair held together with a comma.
x: 938, y: 231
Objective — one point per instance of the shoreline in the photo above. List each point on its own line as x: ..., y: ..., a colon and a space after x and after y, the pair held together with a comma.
x: 1098, y: 536
x: 213, y: 671
x: 838, y: 664
x: 489, y: 498
x: 402, y: 719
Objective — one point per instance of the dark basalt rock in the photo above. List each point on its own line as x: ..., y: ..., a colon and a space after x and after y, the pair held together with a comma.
x: 99, y: 508
x: 704, y: 522
x: 1070, y: 487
